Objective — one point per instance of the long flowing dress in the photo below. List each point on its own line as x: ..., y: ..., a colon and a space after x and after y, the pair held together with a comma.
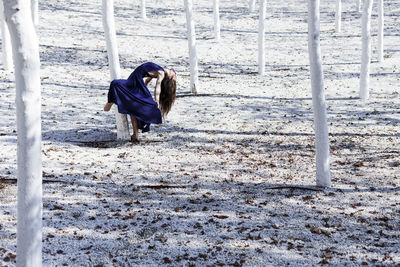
x: 134, y: 98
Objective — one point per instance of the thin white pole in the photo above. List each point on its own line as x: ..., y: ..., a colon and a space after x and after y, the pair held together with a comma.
x: 113, y: 62
x: 252, y: 6
x: 358, y: 5
x: 366, y: 49
x: 318, y: 96
x: 191, y: 33
x: 35, y: 12
x: 217, y: 24
x: 261, y: 38
x: 143, y: 9
x: 338, y: 16
x: 381, y: 14
x: 6, y: 43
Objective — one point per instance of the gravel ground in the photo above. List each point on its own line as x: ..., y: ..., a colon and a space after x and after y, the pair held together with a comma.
x: 229, y: 178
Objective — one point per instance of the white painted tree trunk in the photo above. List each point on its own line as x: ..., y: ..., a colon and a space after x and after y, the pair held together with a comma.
x: 380, y: 30
x: 261, y: 38
x: 194, y: 70
x: 35, y: 12
x: 338, y: 16
x: 5, y: 42
x: 25, y: 47
x: 113, y: 62
x: 358, y: 5
x: 318, y: 96
x: 366, y: 49
x: 217, y: 24
x: 143, y: 9
x: 252, y: 6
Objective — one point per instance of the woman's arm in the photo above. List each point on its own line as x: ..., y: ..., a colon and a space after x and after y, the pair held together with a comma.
x: 147, y: 80
x: 157, y: 89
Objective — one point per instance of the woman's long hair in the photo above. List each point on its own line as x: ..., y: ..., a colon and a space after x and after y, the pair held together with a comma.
x: 167, y: 95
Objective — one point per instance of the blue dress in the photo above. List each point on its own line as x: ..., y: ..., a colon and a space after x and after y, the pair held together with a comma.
x: 134, y: 98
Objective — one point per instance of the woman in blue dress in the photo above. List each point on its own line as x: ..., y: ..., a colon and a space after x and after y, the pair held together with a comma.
x: 134, y: 98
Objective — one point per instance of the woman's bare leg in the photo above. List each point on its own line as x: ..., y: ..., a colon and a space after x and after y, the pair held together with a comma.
x: 135, y: 136
x: 108, y: 106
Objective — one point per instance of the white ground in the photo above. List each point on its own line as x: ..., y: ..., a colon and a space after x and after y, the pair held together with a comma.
x: 197, y: 191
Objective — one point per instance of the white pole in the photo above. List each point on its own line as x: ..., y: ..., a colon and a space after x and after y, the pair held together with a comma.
x: 194, y: 70
x: 358, y: 5
x: 217, y: 24
x: 380, y: 30
x: 113, y: 62
x: 318, y: 96
x: 6, y: 43
x: 338, y: 16
x: 261, y: 38
x: 35, y: 12
x: 111, y: 39
x: 143, y: 9
x: 252, y: 6
x: 25, y: 48
x: 366, y: 49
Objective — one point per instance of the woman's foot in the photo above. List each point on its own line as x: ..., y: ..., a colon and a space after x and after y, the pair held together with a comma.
x: 108, y: 106
x: 134, y: 139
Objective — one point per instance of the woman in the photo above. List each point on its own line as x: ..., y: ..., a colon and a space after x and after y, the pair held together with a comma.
x: 133, y: 97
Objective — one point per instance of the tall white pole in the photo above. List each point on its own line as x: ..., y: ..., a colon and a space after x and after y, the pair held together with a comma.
x: 217, y: 24
x: 191, y: 33
x: 380, y: 30
x: 318, y: 96
x: 6, y: 43
x: 338, y: 16
x: 366, y: 49
x: 143, y: 9
x: 358, y: 5
x: 111, y: 39
x: 261, y: 38
x: 252, y: 6
x: 113, y: 62
x: 25, y: 48
x: 35, y: 11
